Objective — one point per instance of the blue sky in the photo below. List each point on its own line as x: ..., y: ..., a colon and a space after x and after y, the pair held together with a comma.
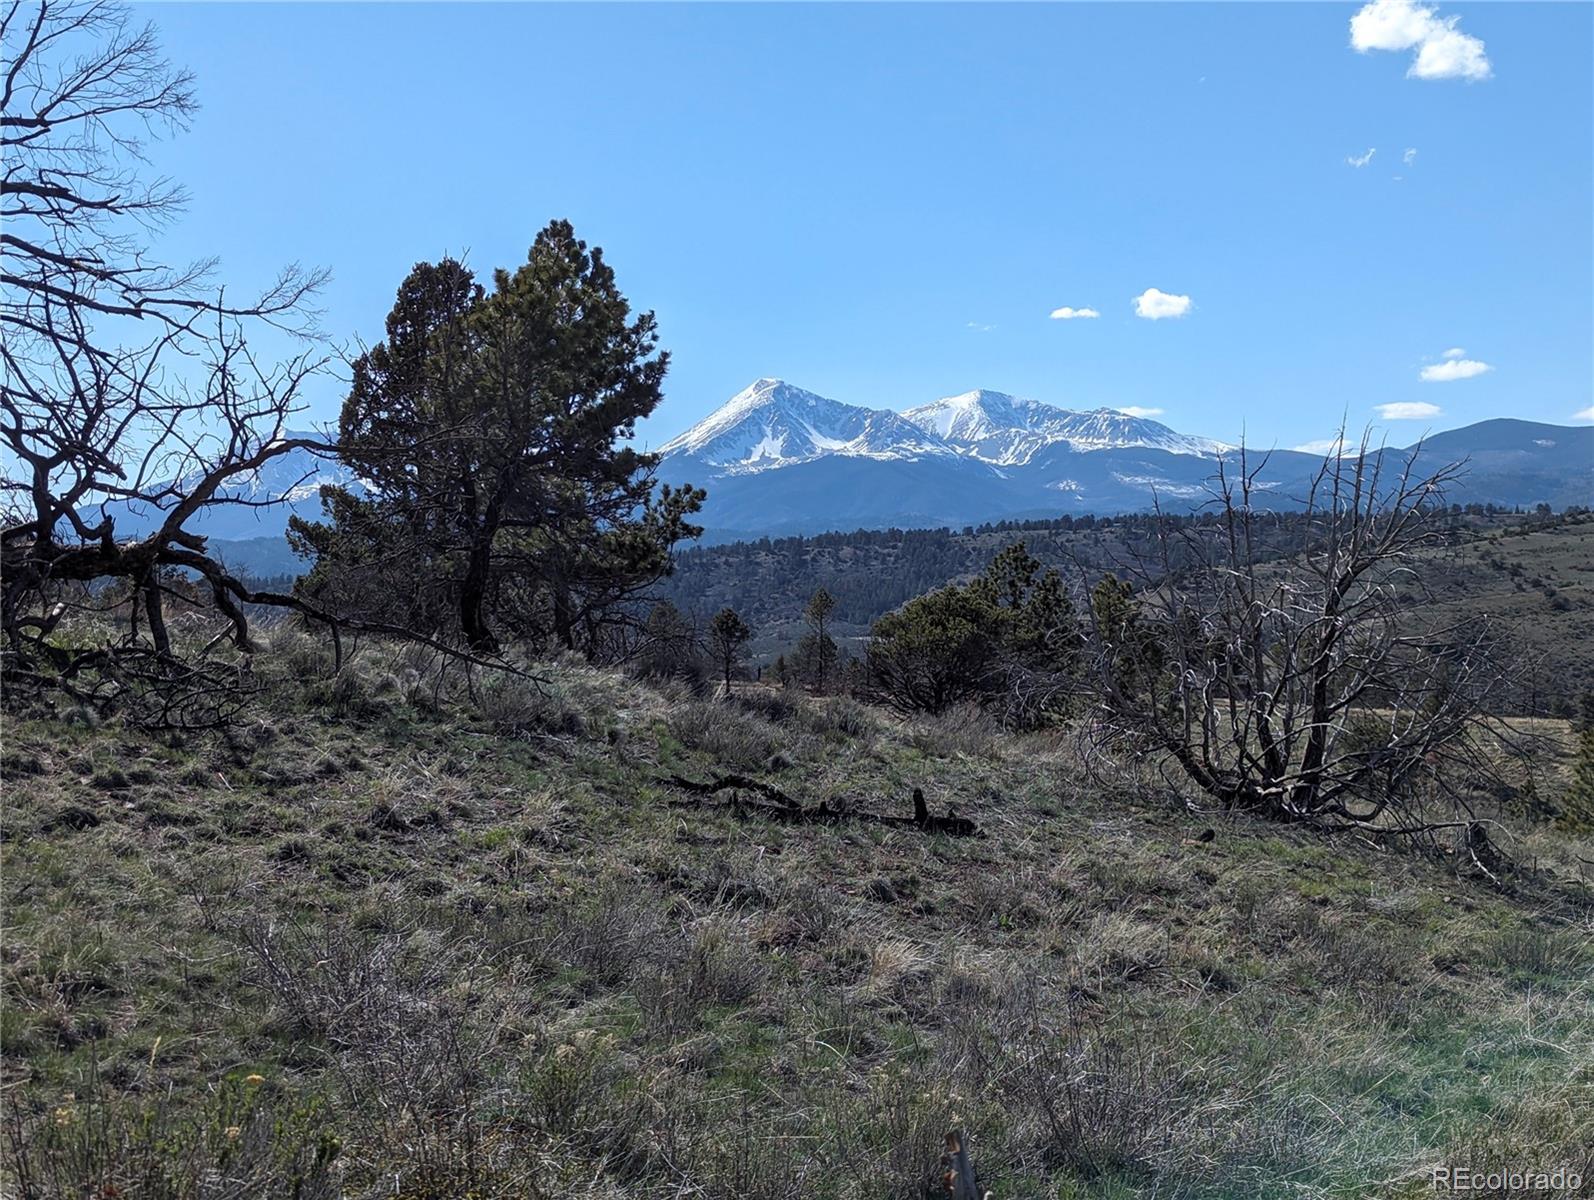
x: 885, y: 203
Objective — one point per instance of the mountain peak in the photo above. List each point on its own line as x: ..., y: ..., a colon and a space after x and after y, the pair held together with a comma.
x: 971, y: 416
x: 772, y: 423
x: 1008, y: 430
x: 762, y: 391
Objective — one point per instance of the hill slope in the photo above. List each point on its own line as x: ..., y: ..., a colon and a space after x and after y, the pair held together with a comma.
x: 363, y: 943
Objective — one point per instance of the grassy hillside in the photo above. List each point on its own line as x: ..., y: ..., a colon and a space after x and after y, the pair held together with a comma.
x: 1535, y: 580
x: 387, y: 939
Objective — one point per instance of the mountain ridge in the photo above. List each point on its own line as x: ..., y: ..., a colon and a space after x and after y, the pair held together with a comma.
x: 772, y: 423
x: 1009, y: 430
x: 778, y: 459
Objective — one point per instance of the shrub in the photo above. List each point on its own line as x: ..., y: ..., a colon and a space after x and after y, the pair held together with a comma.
x: 935, y: 651
x: 1577, y: 810
x: 1007, y: 640
x: 965, y: 729
x: 262, y: 1143
x: 524, y: 708
x: 774, y: 705
x: 725, y: 733
x: 844, y: 717
x: 300, y: 656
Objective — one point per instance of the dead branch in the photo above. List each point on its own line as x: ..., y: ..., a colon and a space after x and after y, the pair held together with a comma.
x: 780, y: 807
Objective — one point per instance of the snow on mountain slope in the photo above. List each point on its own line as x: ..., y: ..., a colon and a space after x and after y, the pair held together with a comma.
x: 773, y: 424
x: 1007, y: 430
x: 254, y: 504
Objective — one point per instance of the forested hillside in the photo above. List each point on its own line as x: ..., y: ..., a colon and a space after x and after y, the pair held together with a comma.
x: 1532, y: 571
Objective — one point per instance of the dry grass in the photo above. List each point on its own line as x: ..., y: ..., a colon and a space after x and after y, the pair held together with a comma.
x: 457, y: 931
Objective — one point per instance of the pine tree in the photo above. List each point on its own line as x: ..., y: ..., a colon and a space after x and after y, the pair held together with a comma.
x: 818, y: 650
x: 493, y: 427
x: 1009, y: 637
x: 936, y: 651
x: 727, y: 635
x: 669, y: 644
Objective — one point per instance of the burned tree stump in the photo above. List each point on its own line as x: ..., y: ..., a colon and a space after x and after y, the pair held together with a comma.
x: 951, y: 824
x: 957, y: 1169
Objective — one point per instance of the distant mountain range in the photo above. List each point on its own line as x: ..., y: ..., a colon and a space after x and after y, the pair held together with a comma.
x: 249, y: 535
x: 778, y: 460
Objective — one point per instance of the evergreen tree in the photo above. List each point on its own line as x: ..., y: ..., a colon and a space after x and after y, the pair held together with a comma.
x: 669, y: 645
x: 727, y: 635
x: 1131, y: 650
x: 818, y: 651
x: 815, y: 659
x: 492, y: 426
x: 1010, y: 636
x: 935, y: 651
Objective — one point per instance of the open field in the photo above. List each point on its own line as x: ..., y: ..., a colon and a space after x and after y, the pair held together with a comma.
x: 372, y: 943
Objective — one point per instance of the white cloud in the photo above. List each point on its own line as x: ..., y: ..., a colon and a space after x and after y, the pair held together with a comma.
x: 1390, y: 25
x: 1074, y: 314
x: 1451, y: 54
x: 1134, y: 410
x: 1408, y: 410
x: 1323, y: 446
x: 1443, y: 51
x: 1410, y: 156
x: 1453, y: 369
x: 1361, y: 160
x: 1454, y: 352
x: 1154, y: 305
x: 978, y: 328
x: 1586, y: 414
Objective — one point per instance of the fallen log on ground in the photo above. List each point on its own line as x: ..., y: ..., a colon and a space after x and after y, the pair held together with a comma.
x: 777, y: 806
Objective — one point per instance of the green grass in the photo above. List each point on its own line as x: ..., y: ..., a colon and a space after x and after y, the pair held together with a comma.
x: 474, y: 949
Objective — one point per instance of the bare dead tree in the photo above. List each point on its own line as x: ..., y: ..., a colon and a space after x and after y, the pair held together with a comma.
x: 1306, y: 688
x: 131, y: 393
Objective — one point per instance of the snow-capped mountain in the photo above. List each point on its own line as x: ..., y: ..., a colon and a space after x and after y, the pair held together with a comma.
x: 772, y: 424
x: 778, y: 459
x: 252, y: 505
x: 1009, y: 431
